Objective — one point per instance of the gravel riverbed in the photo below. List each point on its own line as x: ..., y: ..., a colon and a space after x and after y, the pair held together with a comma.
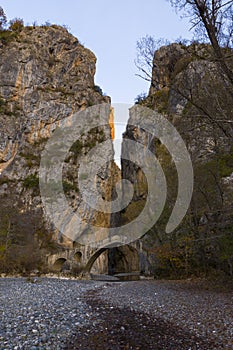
x: 159, y: 315
x: 42, y: 315
x: 140, y: 315
x: 205, y: 313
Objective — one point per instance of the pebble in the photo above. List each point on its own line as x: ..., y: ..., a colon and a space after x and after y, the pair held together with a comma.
x: 48, y: 314
x: 206, y: 313
x: 41, y: 316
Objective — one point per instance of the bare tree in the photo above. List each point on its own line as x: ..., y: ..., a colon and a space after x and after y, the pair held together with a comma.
x: 212, y: 20
x: 146, y: 47
x: 3, y: 19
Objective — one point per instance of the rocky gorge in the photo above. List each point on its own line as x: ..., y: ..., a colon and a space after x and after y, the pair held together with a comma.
x: 47, y: 77
x: 52, y: 293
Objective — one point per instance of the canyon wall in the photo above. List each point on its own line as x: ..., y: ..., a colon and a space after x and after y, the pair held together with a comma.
x: 189, y: 90
x: 46, y: 76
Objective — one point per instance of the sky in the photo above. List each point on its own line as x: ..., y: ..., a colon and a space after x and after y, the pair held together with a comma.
x: 110, y: 29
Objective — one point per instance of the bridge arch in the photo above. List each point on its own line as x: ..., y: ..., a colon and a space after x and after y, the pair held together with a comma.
x: 58, y: 264
x: 93, y: 258
x: 122, y: 259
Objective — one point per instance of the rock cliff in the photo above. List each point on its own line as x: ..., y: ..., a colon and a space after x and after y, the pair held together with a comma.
x: 46, y: 78
x: 189, y: 89
x: 46, y: 75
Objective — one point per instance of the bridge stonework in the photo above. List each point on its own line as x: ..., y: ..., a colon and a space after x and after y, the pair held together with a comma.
x: 105, y: 259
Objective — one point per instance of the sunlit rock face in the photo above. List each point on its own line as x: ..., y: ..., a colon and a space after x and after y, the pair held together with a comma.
x: 47, y: 76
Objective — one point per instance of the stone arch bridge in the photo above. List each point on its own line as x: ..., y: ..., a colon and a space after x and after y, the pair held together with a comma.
x: 106, y: 259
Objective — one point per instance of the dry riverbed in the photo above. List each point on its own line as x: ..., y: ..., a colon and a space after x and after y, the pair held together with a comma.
x: 158, y: 315
x: 68, y: 314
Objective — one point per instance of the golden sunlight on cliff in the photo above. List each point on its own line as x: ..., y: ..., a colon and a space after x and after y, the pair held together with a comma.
x: 111, y: 123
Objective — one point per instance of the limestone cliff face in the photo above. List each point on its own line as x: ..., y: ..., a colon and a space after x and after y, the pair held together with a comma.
x: 190, y: 91
x: 46, y: 75
x: 165, y: 60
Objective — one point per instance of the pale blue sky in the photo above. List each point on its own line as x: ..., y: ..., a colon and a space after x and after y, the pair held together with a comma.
x: 110, y: 29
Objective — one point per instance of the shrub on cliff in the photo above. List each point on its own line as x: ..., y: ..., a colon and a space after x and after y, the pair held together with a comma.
x: 16, y: 25
x: 98, y: 89
x: 140, y: 98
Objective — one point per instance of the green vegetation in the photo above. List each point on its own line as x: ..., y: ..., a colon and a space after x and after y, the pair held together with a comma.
x: 6, y: 36
x: 68, y: 187
x: 77, y: 147
x: 225, y: 164
x: 203, y: 242
x: 31, y: 181
x: 140, y: 98
x: 98, y: 89
x: 16, y: 25
x: 160, y: 100
x: 54, y: 187
x: 133, y: 211
x: 93, y: 137
x: 31, y: 159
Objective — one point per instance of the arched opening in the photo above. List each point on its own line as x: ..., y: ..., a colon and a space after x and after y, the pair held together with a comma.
x: 119, y: 260
x: 100, y: 265
x: 123, y: 260
x: 58, y: 265
x: 78, y: 257
x: 93, y: 259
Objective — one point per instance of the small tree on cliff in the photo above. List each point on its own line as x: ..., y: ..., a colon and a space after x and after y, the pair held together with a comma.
x: 16, y: 24
x: 3, y: 19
